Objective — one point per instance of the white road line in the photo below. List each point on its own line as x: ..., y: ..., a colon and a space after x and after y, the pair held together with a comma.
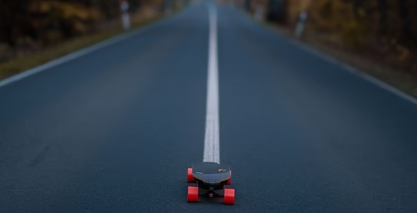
x: 354, y: 71
x: 345, y: 66
x: 79, y: 53
x: 211, y: 140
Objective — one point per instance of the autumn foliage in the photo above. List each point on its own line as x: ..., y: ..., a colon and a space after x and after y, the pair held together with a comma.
x: 384, y: 30
x: 28, y: 24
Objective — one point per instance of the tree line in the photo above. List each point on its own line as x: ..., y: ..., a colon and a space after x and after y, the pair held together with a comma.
x: 46, y: 21
x: 380, y: 27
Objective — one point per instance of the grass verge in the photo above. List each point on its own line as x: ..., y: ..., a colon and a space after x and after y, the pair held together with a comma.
x: 403, y: 81
x: 21, y: 64
x: 406, y: 82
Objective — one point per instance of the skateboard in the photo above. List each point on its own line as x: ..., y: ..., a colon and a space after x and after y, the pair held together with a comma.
x: 208, y: 180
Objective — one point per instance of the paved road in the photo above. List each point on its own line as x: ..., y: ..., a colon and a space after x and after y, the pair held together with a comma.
x: 115, y: 130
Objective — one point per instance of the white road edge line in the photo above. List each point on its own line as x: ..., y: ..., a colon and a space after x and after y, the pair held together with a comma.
x: 345, y: 66
x: 354, y: 71
x: 79, y: 53
x: 211, y: 139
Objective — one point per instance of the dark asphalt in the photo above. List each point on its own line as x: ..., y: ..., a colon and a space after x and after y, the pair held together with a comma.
x: 115, y: 130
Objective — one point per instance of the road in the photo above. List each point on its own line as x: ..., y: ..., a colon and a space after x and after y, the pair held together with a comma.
x: 116, y: 129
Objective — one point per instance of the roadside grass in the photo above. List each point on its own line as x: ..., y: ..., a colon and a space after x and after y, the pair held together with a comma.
x: 23, y: 63
x: 402, y: 80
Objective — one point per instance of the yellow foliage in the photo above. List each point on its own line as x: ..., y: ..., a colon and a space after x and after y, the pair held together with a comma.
x: 69, y: 10
x: 337, y: 17
x: 154, y: 2
x: 305, y: 4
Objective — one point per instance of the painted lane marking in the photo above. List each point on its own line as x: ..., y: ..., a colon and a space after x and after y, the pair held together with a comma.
x: 354, y: 71
x: 211, y: 139
x: 345, y: 66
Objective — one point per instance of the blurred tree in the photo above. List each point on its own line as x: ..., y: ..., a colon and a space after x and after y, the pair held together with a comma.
x: 52, y: 20
x: 382, y: 10
x: 13, y: 14
x: 277, y: 11
x: 407, y: 36
x: 382, y: 28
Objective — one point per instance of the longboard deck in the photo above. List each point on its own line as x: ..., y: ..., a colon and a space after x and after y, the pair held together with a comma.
x: 210, y: 172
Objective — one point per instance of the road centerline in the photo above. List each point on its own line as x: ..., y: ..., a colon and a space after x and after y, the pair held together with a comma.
x: 211, y: 139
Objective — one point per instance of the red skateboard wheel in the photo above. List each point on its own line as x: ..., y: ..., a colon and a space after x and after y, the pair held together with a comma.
x: 190, y: 177
x: 229, y: 196
x: 192, y: 195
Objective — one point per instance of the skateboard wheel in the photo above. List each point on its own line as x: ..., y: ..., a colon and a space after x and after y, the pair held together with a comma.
x: 230, y: 179
x: 192, y: 195
x: 229, y: 196
x: 190, y: 177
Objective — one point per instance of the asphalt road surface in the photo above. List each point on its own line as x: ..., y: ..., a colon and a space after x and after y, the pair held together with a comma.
x: 116, y: 129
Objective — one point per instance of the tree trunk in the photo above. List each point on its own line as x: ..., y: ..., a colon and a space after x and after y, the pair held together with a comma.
x: 406, y: 34
x: 382, y: 9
